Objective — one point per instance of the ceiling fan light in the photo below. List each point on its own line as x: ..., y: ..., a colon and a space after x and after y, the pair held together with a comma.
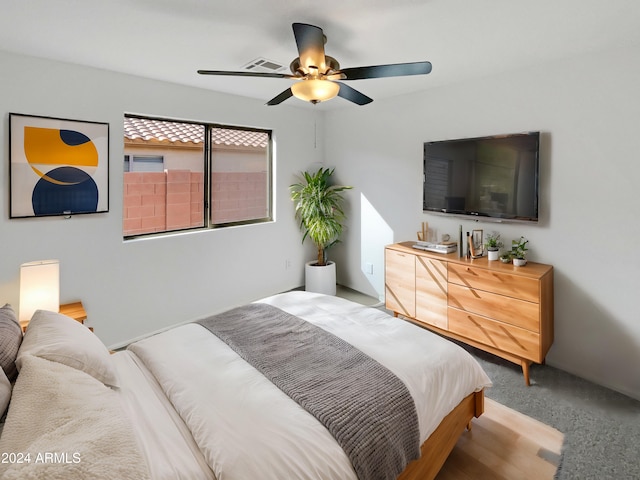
x: 314, y: 90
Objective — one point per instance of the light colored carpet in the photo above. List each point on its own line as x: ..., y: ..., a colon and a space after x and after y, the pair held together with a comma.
x: 357, y: 297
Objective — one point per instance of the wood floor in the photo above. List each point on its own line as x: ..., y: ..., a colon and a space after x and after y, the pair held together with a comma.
x: 504, y: 445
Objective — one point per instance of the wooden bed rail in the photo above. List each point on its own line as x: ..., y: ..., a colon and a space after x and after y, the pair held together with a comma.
x: 438, y: 446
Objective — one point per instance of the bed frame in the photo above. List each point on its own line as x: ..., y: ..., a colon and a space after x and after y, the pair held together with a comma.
x: 438, y: 446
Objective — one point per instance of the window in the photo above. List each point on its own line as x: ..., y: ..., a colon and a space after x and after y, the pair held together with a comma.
x: 239, y: 176
x: 181, y: 176
x: 145, y: 163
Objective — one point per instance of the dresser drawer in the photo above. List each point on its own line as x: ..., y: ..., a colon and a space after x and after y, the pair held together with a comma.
x: 400, y: 282
x: 515, y: 286
x: 431, y: 291
x: 515, y: 340
x: 511, y: 310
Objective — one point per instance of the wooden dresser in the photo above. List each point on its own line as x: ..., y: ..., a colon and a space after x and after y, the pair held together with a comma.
x: 499, y: 308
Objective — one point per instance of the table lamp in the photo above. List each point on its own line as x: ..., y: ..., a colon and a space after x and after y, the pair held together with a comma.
x: 39, y: 288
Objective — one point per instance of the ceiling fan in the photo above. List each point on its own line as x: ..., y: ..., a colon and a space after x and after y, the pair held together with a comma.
x: 317, y: 74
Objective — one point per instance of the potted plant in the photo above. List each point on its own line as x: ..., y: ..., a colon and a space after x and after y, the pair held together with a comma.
x: 493, y: 244
x: 519, y: 251
x: 506, y: 257
x: 318, y: 206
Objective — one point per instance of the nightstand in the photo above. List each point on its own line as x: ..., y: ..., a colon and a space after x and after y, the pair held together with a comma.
x: 74, y: 310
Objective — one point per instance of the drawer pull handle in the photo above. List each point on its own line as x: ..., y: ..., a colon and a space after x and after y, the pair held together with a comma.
x: 471, y: 272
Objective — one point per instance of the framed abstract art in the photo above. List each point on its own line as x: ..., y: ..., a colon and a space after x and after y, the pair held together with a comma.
x: 57, y: 166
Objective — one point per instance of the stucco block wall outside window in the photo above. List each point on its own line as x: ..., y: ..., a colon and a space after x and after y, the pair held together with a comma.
x: 158, y: 202
x: 172, y: 200
x: 239, y: 196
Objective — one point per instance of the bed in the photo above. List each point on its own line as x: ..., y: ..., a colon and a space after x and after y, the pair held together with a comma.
x: 183, y: 404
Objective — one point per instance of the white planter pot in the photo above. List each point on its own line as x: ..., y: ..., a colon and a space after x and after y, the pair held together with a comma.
x: 320, y: 279
x: 493, y: 254
x: 519, y: 262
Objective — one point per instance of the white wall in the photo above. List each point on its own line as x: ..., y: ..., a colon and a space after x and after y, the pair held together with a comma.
x: 589, y: 111
x: 132, y: 288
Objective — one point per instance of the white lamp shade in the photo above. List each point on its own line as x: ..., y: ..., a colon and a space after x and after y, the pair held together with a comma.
x: 39, y: 287
x: 314, y: 90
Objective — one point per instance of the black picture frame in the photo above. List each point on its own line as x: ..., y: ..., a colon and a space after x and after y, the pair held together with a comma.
x: 57, y: 166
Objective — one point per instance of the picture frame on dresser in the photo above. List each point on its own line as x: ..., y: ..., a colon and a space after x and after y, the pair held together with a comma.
x: 57, y: 166
x: 478, y: 243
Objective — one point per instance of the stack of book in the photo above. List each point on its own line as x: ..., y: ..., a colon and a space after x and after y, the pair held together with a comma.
x: 444, y: 247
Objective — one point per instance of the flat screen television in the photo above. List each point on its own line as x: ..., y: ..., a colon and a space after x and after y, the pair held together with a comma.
x: 493, y: 177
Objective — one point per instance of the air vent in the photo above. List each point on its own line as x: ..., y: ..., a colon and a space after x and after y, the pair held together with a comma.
x: 263, y: 65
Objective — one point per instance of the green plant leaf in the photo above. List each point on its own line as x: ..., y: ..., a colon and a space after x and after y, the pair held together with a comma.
x: 318, y: 207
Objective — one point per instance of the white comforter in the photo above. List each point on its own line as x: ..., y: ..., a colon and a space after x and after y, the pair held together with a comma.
x: 67, y: 425
x: 247, y: 428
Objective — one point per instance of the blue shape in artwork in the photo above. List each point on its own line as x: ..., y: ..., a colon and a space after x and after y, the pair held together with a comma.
x: 78, y: 194
x: 71, y: 137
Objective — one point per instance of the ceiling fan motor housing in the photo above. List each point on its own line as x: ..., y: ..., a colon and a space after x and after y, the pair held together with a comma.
x: 331, y: 63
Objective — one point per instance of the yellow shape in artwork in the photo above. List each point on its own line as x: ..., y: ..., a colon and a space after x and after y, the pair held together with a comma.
x: 45, y: 146
x: 50, y: 179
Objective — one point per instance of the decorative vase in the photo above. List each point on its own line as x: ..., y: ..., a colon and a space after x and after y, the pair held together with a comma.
x: 519, y: 262
x: 320, y: 279
x: 493, y: 254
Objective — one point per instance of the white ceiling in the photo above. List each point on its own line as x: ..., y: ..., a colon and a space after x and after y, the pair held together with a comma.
x: 170, y: 39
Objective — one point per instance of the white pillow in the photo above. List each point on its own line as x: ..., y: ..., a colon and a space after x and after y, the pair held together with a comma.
x: 61, y: 339
x: 10, y: 339
x: 5, y: 392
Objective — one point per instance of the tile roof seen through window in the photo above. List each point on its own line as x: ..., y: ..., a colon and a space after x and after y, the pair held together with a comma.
x: 176, y: 132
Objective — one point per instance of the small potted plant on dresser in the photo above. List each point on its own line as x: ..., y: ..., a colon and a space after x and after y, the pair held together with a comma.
x: 519, y: 251
x: 493, y: 244
x: 318, y: 206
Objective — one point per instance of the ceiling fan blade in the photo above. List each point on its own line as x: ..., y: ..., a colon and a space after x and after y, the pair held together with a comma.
x: 246, y: 74
x: 280, y: 98
x: 353, y: 95
x: 380, y: 71
x: 310, y: 42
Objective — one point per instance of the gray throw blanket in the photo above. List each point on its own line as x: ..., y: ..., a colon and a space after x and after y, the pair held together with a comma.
x: 368, y: 410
